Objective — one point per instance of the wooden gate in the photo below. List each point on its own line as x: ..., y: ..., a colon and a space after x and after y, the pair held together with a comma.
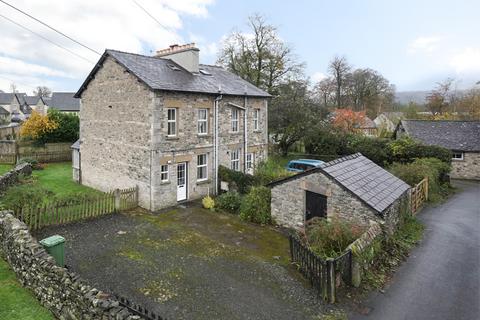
x: 418, y: 195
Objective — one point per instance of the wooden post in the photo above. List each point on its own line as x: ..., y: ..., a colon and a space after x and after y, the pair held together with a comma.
x: 426, y: 189
x: 331, y: 280
x: 116, y: 193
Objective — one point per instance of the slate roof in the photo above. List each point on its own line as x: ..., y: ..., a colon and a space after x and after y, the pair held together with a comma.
x: 64, y: 101
x: 31, y: 100
x: 3, y: 111
x: 6, y: 98
x: 453, y: 135
x: 158, y: 74
x: 373, y: 185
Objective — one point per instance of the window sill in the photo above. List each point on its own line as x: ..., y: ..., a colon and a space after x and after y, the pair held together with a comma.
x: 257, y: 131
x: 164, y: 182
x: 172, y: 138
x: 235, y: 133
x: 200, y: 182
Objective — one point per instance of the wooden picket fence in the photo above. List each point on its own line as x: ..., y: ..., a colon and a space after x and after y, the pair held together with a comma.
x: 37, y: 217
x: 418, y: 195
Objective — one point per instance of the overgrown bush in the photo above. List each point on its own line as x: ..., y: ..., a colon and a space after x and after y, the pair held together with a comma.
x: 32, y: 162
x: 237, y: 180
x: 229, y: 201
x: 407, y: 150
x: 256, y: 206
x: 376, y: 149
x: 330, y: 238
x: 271, y: 170
x: 19, y: 196
x: 433, y: 168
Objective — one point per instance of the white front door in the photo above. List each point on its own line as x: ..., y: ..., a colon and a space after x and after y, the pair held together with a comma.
x: 182, y: 181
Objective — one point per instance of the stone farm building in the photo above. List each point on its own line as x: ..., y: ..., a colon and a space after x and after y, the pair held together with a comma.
x: 461, y: 137
x: 165, y: 123
x: 352, y: 188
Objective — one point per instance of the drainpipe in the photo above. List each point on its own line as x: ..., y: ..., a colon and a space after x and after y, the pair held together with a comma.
x: 245, y: 134
x: 215, y: 138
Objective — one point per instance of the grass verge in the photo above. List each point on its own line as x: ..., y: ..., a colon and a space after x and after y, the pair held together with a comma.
x: 4, y: 168
x: 17, y: 302
x: 394, y: 250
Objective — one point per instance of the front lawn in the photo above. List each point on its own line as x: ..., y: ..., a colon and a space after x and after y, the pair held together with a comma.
x: 53, y: 183
x: 4, y: 168
x: 17, y: 302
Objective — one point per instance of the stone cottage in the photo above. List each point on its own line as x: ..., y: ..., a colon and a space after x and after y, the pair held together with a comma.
x: 352, y: 188
x: 165, y: 123
x: 461, y: 137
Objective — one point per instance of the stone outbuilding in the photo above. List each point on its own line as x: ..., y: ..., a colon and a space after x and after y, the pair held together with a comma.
x: 462, y: 138
x: 352, y: 188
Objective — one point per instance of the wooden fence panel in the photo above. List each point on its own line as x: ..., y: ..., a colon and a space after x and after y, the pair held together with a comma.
x: 418, y: 195
x: 37, y: 217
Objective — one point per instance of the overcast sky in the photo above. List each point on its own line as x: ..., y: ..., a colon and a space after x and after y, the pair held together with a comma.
x: 412, y: 43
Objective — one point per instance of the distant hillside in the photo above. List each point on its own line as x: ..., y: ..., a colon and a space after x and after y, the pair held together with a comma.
x: 405, y: 97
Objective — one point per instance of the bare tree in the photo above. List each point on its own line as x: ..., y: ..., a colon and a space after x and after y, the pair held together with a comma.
x: 42, y: 91
x: 324, y: 90
x: 260, y: 56
x: 339, y: 70
x: 13, y: 87
x: 440, y: 98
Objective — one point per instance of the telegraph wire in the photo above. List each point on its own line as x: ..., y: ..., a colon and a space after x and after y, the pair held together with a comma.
x: 46, y: 39
x: 148, y: 13
x: 48, y: 26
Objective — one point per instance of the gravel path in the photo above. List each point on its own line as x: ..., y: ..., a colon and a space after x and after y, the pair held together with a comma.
x: 190, y: 264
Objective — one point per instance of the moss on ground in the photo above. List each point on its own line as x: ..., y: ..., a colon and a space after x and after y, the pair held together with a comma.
x: 160, y: 290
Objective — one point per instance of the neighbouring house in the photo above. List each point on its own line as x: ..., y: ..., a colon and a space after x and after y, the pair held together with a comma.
x: 387, y: 121
x: 352, y: 188
x: 64, y: 102
x: 36, y: 103
x: 19, y: 106
x: 367, y: 127
x: 165, y: 123
x: 4, y: 115
x: 461, y: 137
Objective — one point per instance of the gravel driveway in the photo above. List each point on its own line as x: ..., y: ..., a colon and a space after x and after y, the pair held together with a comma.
x: 190, y: 263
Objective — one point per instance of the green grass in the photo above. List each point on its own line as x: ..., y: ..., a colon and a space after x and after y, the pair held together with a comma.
x: 57, y: 178
x: 17, y: 302
x: 4, y: 168
x: 53, y: 183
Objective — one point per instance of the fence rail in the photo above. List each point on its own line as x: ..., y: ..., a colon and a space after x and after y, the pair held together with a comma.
x: 36, y: 217
x: 322, y: 273
x: 418, y: 195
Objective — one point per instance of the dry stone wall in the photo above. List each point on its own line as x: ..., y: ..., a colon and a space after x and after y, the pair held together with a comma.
x: 60, y: 291
x: 12, y: 176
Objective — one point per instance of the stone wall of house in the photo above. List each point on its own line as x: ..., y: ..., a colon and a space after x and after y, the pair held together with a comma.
x: 288, y: 201
x: 60, y: 291
x: 12, y: 176
x: 188, y: 144
x: 393, y: 214
x: 468, y: 168
x: 115, y: 132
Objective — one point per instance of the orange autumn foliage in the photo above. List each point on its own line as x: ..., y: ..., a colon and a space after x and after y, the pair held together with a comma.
x: 37, y: 125
x: 347, y: 119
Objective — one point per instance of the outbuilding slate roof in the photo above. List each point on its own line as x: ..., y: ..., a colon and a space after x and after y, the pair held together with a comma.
x: 453, y: 135
x: 373, y: 185
x: 64, y: 101
x: 158, y: 74
x: 3, y: 111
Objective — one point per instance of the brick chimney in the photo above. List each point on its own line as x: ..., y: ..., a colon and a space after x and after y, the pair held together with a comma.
x: 186, y: 55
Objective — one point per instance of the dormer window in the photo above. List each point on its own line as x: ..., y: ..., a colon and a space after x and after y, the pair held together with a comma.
x: 173, y: 67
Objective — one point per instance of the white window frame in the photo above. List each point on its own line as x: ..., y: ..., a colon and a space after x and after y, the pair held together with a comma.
x: 164, y: 172
x: 234, y: 116
x: 202, y: 121
x: 201, y: 166
x: 235, y: 160
x: 454, y: 154
x: 172, y: 121
x: 256, y: 119
x: 249, y: 162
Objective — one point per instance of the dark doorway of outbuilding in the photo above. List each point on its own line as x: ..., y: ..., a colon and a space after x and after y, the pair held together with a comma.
x: 315, y: 205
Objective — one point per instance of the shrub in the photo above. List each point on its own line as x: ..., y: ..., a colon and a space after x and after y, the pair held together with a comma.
x: 407, y: 150
x: 20, y: 196
x: 271, y: 170
x: 256, y: 206
x: 208, y: 203
x: 329, y: 238
x: 37, y: 125
x: 237, y: 180
x: 373, y: 148
x: 433, y: 168
x: 67, y: 130
x: 32, y: 162
x: 229, y: 201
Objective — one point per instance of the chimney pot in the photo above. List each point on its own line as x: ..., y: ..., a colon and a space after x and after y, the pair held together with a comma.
x: 185, y: 55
